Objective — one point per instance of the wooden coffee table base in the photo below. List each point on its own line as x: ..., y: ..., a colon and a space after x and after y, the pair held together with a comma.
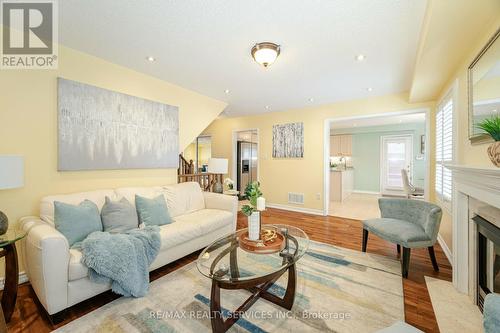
x: 258, y: 288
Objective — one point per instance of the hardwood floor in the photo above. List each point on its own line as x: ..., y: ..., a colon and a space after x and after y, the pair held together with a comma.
x: 29, y: 315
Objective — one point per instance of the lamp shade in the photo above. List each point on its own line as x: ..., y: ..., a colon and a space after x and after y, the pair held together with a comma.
x: 11, y: 171
x: 217, y: 165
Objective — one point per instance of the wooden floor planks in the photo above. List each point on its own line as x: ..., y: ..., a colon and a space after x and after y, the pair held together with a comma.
x: 29, y: 315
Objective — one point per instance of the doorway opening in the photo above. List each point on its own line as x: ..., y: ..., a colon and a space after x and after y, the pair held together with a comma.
x: 245, y: 158
x: 199, y: 151
x: 367, y: 157
x: 396, y: 155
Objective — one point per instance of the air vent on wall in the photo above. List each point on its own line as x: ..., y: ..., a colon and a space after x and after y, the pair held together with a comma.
x: 296, y: 198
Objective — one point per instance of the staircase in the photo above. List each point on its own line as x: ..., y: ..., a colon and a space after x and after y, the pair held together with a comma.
x: 187, y: 173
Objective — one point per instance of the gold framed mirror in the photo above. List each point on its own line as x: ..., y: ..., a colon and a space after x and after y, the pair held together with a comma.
x: 484, y: 88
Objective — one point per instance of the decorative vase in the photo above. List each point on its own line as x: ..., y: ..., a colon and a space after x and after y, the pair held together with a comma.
x: 254, y: 226
x: 4, y: 223
x: 218, y: 188
x: 494, y: 153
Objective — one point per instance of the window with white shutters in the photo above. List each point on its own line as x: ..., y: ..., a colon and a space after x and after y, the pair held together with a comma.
x: 444, y: 149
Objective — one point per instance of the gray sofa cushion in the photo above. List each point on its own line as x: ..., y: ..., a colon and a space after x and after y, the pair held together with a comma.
x: 398, y: 231
x: 118, y: 216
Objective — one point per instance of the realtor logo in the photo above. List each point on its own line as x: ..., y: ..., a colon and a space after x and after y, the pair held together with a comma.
x: 29, y: 34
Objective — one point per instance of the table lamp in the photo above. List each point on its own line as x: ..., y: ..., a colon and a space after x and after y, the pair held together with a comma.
x: 11, y: 176
x: 218, y: 166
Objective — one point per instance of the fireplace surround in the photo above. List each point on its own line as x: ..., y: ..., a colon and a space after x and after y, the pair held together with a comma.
x: 476, y: 192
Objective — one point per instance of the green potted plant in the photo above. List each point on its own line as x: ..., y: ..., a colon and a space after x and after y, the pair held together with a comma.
x: 492, y: 127
x: 252, y: 210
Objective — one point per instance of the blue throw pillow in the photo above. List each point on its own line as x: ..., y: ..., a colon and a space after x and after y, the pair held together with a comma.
x: 77, y: 222
x: 118, y: 216
x: 152, y: 211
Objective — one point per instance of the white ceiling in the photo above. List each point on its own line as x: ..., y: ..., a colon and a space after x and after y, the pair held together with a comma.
x: 379, y: 121
x: 205, y: 46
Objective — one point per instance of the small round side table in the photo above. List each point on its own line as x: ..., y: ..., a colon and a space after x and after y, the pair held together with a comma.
x: 8, y: 250
x: 232, y: 192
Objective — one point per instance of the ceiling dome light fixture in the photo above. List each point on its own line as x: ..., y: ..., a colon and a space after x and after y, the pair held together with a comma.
x: 265, y: 53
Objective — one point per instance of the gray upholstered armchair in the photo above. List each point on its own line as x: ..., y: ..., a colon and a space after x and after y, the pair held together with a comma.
x: 407, y: 223
x: 492, y: 313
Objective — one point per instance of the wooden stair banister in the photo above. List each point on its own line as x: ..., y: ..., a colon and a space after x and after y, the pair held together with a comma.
x: 185, y: 167
x: 186, y: 173
x: 205, y: 179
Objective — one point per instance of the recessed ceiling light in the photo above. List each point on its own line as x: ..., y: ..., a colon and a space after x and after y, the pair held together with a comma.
x: 400, y: 121
x: 267, y: 107
x: 360, y: 57
x: 227, y: 91
x: 151, y: 59
x: 311, y: 99
x: 369, y: 89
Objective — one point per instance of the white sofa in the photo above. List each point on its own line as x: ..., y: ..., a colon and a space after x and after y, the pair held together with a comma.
x: 58, y: 277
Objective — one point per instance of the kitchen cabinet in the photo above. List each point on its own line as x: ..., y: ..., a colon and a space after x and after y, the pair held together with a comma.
x: 341, y: 184
x: 341, y: 145
x: 346, y: 145
x: 335, y: 145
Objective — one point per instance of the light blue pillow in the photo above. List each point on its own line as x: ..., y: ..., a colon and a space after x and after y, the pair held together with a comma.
x: 152, y: 211
x: 118, y: 216
x: 77, y: 222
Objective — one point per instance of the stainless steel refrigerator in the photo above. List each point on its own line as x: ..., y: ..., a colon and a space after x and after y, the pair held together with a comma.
x: 247, y: 164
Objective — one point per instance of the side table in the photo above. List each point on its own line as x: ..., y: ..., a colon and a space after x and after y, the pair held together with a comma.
x: 8, y: 250
x: 232, y: 192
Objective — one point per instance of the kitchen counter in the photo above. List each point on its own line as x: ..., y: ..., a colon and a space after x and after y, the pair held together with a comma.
x: 341, y: 183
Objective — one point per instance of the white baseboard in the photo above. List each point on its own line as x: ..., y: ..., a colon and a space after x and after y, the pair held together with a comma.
x: 22, y: 279
x: 366, y: 192
x: 446, y: 249
x: 296, y: 209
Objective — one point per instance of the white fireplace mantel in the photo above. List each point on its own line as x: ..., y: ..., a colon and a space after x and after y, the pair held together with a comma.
x: 483, y: 184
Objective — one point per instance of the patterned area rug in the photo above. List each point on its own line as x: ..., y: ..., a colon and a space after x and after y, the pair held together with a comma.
x: 338, y: 290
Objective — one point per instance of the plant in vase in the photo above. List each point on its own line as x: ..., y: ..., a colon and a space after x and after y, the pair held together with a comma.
x: 229, y: 183
x: 492, y: 127
x: 252, y: 210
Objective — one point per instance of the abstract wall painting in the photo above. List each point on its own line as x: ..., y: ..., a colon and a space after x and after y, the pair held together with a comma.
x: 101, y: 129
x: 288, y: 140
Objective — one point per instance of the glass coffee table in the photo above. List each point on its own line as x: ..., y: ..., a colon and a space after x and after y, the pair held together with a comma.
x: 231, y: 267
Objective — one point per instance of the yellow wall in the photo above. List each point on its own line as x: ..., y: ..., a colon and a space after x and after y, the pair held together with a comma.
x: 28, y: 114
x: 304, y: 175
x: 190, y: 152
x: 466, y: 153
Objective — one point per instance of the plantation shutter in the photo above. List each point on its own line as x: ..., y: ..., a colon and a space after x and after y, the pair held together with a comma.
x: 444, y: 149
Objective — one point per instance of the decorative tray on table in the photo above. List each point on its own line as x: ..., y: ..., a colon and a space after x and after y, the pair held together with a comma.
x: 271, y: 241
